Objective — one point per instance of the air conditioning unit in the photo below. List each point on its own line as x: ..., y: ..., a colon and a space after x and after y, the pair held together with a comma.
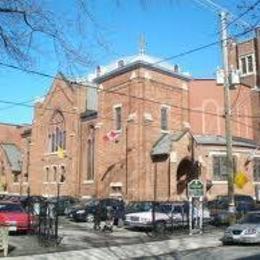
x: 220, y: 75
x: 234, y: 79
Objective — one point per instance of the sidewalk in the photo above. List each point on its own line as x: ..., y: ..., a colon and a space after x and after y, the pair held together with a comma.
x: 135, y: 250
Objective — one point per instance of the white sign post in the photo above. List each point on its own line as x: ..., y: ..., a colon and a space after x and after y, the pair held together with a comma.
x: 195, y: 195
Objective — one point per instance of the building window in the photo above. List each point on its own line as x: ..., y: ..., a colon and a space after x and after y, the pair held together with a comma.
x: 164, y: 118
x: 47, y: 174
x: 55, y: 174
x: 256, y: 169
x: 63, y: 173
x: 57, y: 133
x: 15, y: 178
x: 26, y: 177
x: 90, y: 159
x: 220, y: 167
x: 247, y: 64
x: 118, y: 117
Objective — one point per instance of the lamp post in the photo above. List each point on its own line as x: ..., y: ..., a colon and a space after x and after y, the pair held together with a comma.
x: 62, y: 179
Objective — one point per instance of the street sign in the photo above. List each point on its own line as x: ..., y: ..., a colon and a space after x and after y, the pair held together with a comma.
x: 195, y: 189
x: 241, y: 179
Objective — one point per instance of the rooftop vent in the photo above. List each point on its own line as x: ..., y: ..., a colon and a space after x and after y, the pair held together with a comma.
x: 98, y: 71
x: 120, y: 63
x: 176, y: 68
x: 257, y: 32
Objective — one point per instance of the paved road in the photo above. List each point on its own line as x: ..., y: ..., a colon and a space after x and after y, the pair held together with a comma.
x: 218, y: 253
x: 82, y: 237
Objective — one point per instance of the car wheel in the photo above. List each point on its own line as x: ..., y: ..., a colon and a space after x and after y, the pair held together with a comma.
x: 160, y: 227
x: 90, y: 218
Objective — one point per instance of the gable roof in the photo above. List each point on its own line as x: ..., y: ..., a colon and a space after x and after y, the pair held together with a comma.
x: 221, y: 140
x: 14, y: 156
x: 163, y: 145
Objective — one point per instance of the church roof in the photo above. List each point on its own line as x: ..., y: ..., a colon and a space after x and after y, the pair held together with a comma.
x: 124, y: 64
x: 14, y: 156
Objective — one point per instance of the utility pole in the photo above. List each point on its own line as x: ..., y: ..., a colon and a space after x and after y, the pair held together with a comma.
x: 228, y: 114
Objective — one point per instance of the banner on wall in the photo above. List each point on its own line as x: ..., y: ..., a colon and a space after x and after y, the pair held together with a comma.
x: 111, y: 136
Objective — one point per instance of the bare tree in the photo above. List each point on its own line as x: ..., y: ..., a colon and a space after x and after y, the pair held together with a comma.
x: 30, y: 27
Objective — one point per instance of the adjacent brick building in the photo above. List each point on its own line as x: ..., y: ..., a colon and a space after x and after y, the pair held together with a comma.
x: 14, y: 158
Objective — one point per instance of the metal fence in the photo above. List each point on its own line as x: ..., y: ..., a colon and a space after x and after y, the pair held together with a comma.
x: 44, y: 221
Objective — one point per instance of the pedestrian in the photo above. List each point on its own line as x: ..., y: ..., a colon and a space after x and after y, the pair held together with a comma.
x: 97, y: 216
x: 120, y: 213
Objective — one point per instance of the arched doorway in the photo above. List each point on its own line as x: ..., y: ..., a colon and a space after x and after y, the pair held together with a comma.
x: 186, y: 172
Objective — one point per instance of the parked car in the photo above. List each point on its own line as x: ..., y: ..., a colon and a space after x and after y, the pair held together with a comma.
x: 87, y: 211
x: 80, y: 205
x: 247, y: 230
x: 32, y: 203
x: 140, y: 215
x: 166, y: 214
x: 219, y: 208
x: 65, y: 202
x: 13, y: 215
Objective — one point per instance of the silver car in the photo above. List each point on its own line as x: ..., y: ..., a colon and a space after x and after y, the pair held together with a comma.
x: 246, y: 231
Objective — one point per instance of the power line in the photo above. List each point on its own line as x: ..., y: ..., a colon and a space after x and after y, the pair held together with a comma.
x: 119, y: 93
x: 202, y: 47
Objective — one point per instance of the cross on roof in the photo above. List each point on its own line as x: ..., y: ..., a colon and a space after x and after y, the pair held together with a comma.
x: 142, y: 44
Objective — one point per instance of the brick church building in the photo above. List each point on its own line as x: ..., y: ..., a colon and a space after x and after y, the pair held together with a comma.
x: 140, y: 129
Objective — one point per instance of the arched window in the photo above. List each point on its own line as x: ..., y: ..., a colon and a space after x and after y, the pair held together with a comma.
x: 55, y: 174
x: 57, y: 132
x: 90, y: 155
x: 89, y: 160
x: 47, y: 173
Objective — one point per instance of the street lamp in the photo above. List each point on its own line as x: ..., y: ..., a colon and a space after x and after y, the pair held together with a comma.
x: 62, y: 179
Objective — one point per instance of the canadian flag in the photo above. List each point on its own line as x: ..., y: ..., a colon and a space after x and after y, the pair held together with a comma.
x: 111, y: 136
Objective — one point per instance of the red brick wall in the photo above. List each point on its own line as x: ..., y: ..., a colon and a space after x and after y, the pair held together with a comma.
x: 208, y: 100
x: 135, y: 95
x: 70, y: 100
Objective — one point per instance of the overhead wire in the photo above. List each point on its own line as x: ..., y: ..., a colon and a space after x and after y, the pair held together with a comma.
x: 120, y: 93
x: 110, y: 91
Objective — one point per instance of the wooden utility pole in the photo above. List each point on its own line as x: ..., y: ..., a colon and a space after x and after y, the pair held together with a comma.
x: 228, y: 112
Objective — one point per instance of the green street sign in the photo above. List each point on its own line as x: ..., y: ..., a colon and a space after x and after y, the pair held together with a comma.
x: 195, y: 188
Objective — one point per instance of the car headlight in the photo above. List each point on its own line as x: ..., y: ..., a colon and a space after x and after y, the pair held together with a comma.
x: 81, y: 211
x: 250, y: 231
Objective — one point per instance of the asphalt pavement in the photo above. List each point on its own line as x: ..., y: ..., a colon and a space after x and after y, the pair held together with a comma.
x: 80, y: 241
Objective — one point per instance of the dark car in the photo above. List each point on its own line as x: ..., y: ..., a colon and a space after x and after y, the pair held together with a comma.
x: 87, y: 212
x: 64, y: 203
x: 219, y: 208
x: 80, y: 205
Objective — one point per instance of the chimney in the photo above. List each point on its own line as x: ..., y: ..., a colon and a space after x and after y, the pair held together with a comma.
x: 176, y: 68
x: 257, y: 32
x: 98, y: 71
x: 120, y: 63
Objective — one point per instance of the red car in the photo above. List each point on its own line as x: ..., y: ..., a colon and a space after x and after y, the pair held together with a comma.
x: 13, y: 215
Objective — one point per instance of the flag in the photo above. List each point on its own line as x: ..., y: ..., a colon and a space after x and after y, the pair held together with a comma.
x: 61, y: 152
x: 241, y: 179
x: 111, y: 136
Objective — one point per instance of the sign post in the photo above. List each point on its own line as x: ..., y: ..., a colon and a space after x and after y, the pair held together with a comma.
x: 195, y: 194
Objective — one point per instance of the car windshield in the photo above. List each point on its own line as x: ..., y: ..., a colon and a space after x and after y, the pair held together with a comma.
x: 10, y: 208
x: 252, y: 218
x: 139, y: 207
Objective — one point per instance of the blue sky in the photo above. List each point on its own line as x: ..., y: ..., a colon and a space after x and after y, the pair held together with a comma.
x: 170, y: 27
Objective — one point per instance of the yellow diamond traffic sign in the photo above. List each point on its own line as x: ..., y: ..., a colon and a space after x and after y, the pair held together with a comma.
x: 241, y: 179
